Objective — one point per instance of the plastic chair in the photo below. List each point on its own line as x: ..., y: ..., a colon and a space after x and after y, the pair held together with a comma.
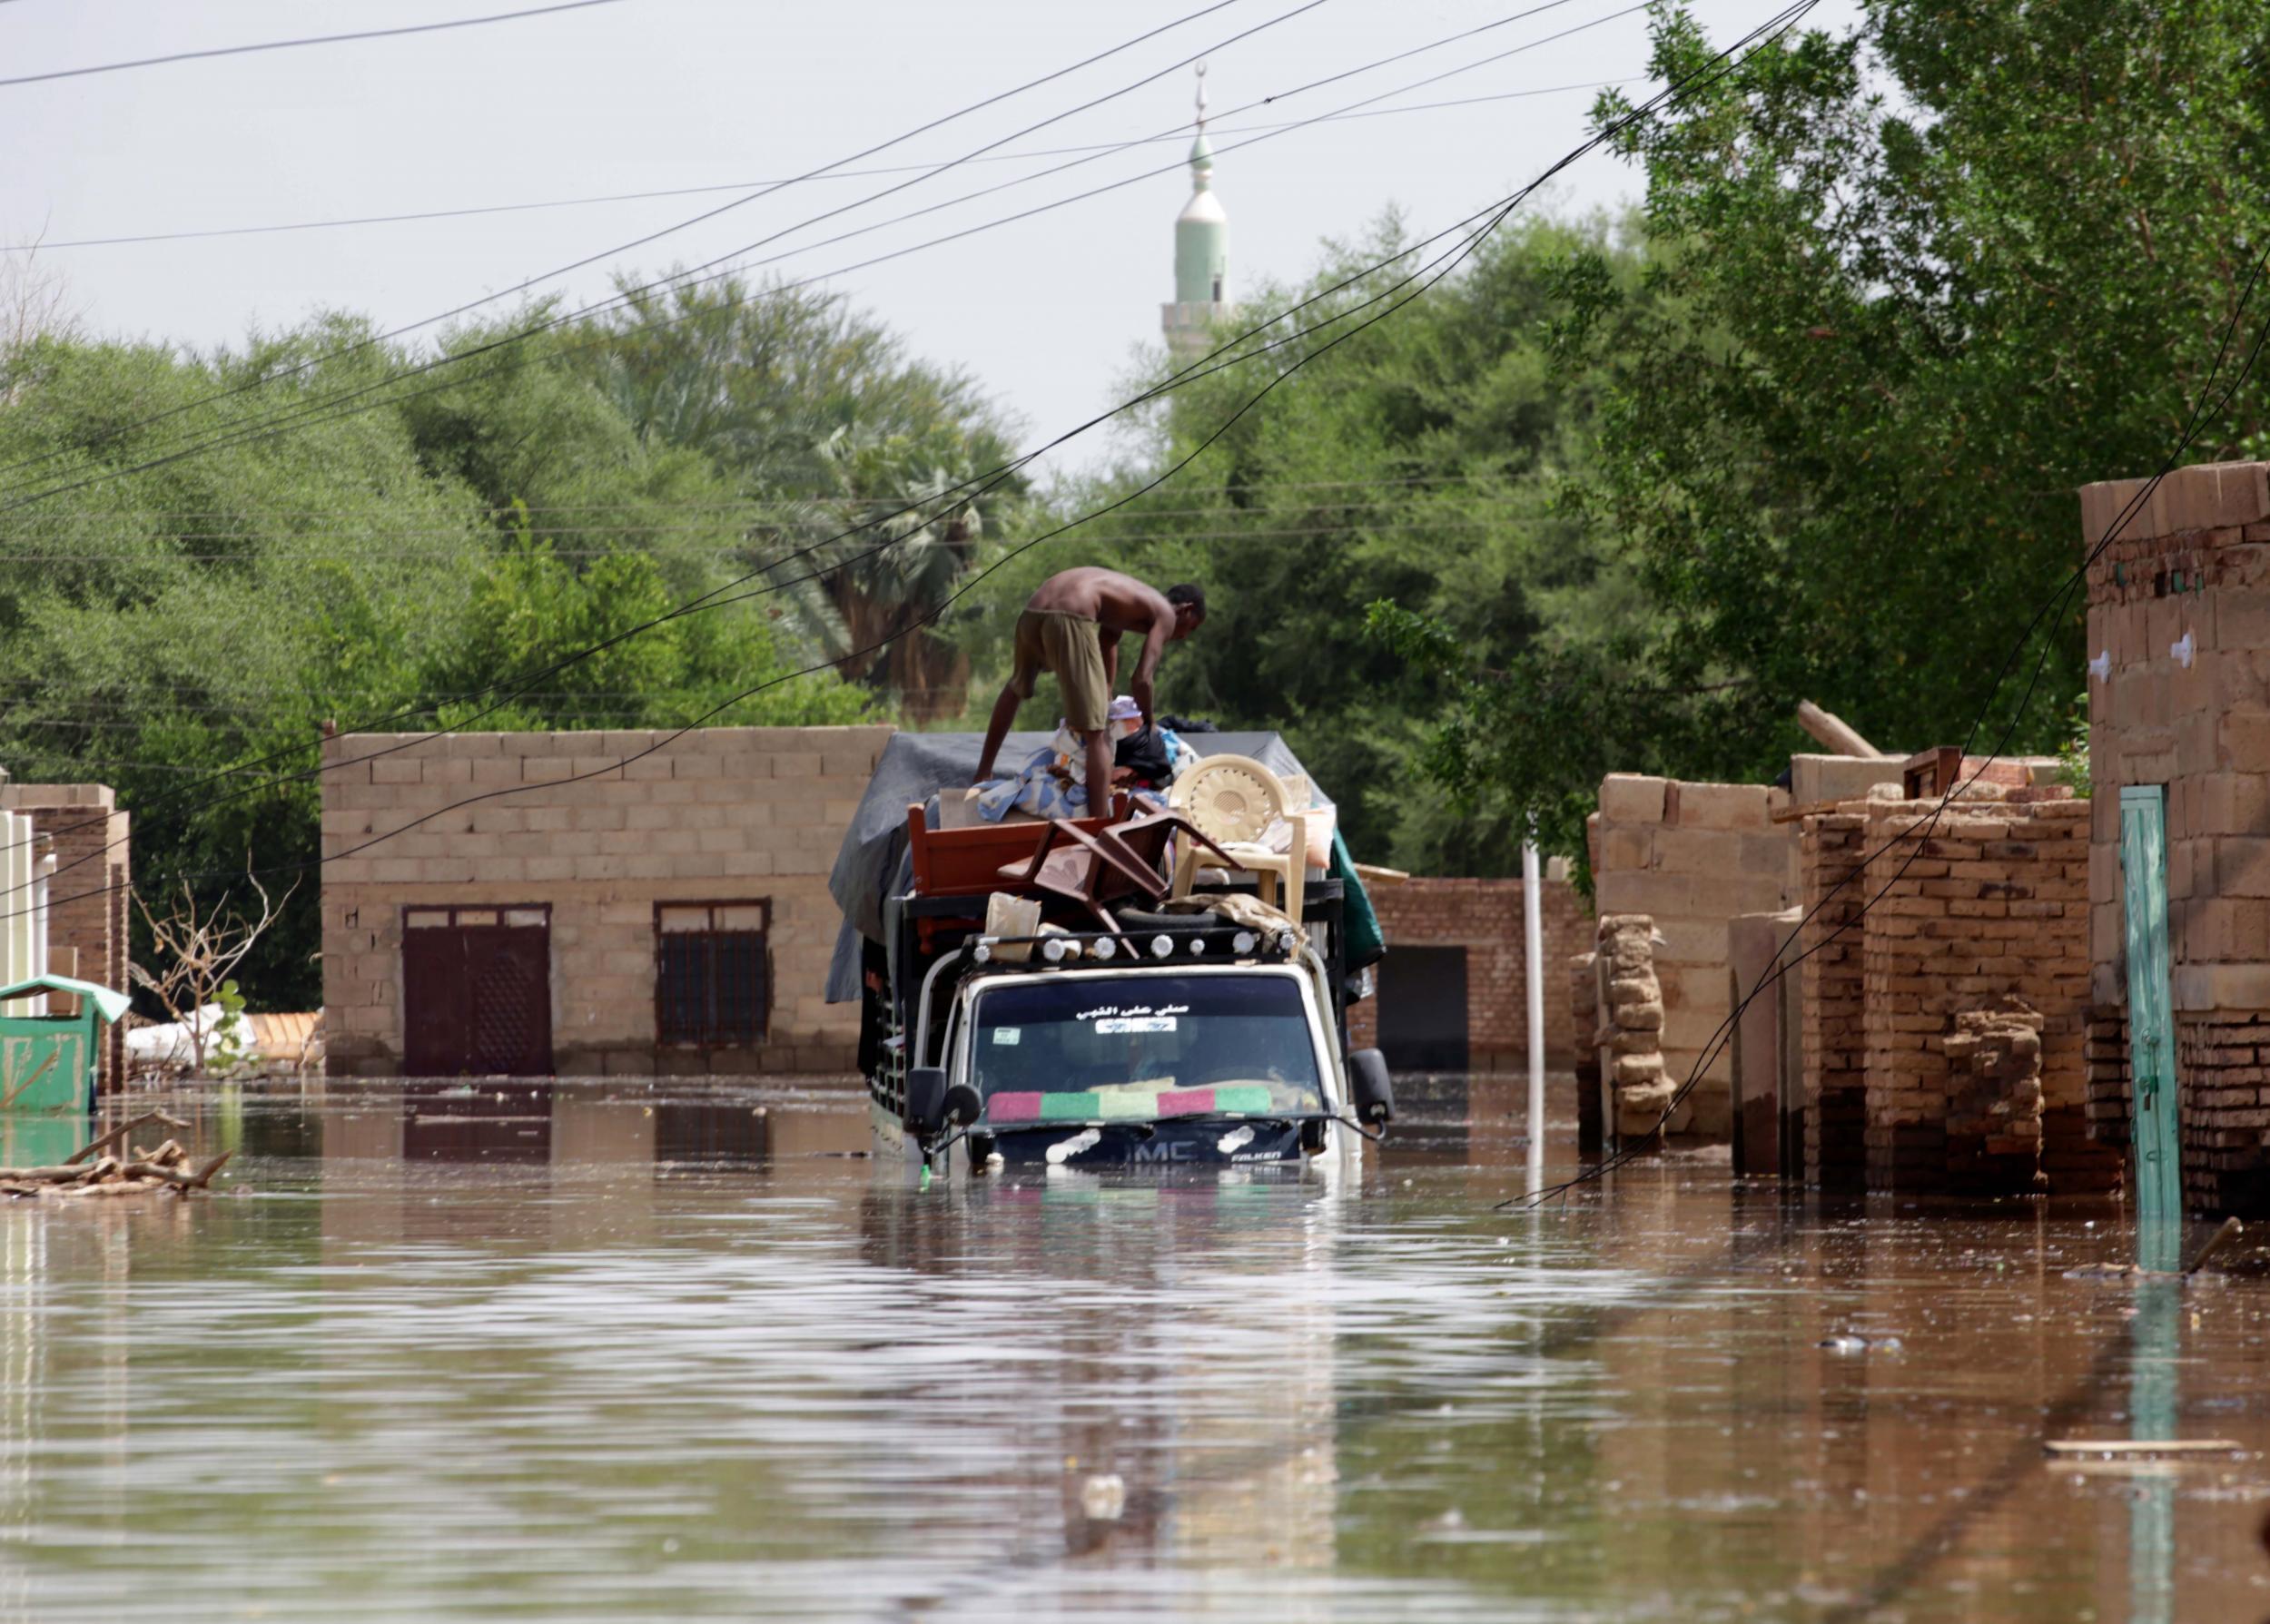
x: 1233, y: 799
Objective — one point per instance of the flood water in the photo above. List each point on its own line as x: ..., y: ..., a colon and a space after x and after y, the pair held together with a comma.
x: 606, y: 1353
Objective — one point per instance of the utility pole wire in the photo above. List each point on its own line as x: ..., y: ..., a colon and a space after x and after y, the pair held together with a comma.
x: 289, y: 418
x: 378, y: 339
x: 976, y: 487
x: 840, y: 175
x: 1493, y: 215
x: 293, y: 44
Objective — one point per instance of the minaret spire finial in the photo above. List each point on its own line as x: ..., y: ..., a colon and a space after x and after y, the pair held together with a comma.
x: 1202, y: 96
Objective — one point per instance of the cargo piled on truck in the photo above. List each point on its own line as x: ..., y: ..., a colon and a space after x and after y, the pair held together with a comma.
x: 1165, y: 983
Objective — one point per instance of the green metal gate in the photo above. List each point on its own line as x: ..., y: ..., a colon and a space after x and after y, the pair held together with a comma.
x: 2159, y: 1191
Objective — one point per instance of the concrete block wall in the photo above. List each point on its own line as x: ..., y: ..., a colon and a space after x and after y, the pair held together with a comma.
x: 88, y: 901
x: 718, y: 815
x: 2188, y: 573
x: 1692, y: 856
x: 1485, y: 917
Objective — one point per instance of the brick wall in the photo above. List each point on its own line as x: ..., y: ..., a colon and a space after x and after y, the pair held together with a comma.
x: 1692, y: 856
x: 1485, y: 917
x: 719, y: 814
x: 1834, y: 1039
x: 1986, y: 907
x: 2193, y: 563
x: 87, y: 900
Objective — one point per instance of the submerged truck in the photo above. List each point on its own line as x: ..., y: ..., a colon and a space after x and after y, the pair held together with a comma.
x: 1138, y: 1038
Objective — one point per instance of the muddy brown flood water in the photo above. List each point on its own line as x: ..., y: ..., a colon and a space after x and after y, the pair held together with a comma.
x: 607, y: 1353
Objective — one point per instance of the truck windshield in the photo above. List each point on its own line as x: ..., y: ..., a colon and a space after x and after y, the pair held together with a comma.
x: 1143, y: 1049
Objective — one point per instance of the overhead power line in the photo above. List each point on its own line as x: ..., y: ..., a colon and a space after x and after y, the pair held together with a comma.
x: 339, y: 404
x: 361, y: 345
x: 840, y: 175
x: 294, y: 45
x: 673, y: 503
x: 1470, y: 233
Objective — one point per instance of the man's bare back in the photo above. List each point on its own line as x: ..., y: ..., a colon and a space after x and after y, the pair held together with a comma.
x: 1085, y: 658
x: 1115, y: 602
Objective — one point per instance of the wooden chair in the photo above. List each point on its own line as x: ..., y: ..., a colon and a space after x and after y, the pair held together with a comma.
x: 1145, y: 839
x: 1086, y: 867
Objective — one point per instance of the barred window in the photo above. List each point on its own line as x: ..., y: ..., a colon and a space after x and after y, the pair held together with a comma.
x: 713, y: 980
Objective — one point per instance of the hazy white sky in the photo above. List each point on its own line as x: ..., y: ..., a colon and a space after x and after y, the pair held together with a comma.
x: 646, y: 94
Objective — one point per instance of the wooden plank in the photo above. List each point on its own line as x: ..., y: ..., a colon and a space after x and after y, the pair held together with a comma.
x: 2135, y: 1447
x: 1790, y: 814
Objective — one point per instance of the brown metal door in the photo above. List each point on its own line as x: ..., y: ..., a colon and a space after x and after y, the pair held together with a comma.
x: 476, y: 993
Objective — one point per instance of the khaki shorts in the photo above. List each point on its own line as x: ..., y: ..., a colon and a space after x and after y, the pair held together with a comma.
x: 1071, y: 646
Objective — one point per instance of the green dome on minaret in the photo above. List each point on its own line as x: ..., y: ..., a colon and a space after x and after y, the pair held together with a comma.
x: 1201, y: 248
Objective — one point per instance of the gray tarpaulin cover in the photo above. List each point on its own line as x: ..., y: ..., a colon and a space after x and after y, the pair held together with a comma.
x: 872, y: 865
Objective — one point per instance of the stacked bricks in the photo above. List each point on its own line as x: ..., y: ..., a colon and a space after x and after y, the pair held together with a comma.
x: 2107, y: 1051
x: 719, y: 814
x: 1975, y: 911
x: 1994, y: 1107
x: 1631, y: 1015
x: 2223, y: 1103
x: 1692, y: 856
x: 88, y: 898
x: 1834, y: 1041
x: 2180, y: 616
x: 1485, y: 917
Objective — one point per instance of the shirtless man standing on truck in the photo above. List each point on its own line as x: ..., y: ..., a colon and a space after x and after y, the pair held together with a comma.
x: 1073, y: 627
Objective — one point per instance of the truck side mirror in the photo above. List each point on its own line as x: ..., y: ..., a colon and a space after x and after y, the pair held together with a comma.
x: 925, y: 1101
x: 1368, y: 1079
x: 963, y: 1106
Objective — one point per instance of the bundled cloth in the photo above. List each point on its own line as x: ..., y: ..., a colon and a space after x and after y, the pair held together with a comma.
x: 1051, y: 782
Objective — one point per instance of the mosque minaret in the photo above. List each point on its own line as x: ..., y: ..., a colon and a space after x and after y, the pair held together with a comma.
x: 1201, y: 254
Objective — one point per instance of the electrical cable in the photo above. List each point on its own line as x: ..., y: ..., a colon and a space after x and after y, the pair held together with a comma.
x: 691, y: 505
x: 1492, y: 216
x: 265, y: 379
x: 1185, y: 375
x: 293, y: 44
x: 840, y: 175
x: 1928, y: 821
x: 1189, y: 373
x: 309, y: 413
x: 274, y: 556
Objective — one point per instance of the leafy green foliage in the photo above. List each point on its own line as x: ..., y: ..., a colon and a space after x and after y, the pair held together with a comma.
x: 390, y: 566
x: 1881, y: 335
x: 1420, y: 462
x: 857, y: 460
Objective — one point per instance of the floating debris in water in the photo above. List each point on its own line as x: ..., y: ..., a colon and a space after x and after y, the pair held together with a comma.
x: 1063, y: 1151
x: 1103, y: 1496
x: 1848, y: 1342
x: 94, y: 1170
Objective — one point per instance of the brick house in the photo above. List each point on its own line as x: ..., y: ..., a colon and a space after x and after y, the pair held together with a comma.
x: 2180, y: 737
x: 576, y: 917
x: 90, y: 839
x: 1452, y: 993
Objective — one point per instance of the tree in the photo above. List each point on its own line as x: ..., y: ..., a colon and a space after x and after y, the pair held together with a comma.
x: 196, y: 948
x: 863, y: 473
x: 1421, y: 460
x: 401, y: 563
x: 1905, y: 289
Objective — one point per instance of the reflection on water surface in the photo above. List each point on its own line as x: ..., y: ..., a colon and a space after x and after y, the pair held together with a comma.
x: 610, y: 1352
